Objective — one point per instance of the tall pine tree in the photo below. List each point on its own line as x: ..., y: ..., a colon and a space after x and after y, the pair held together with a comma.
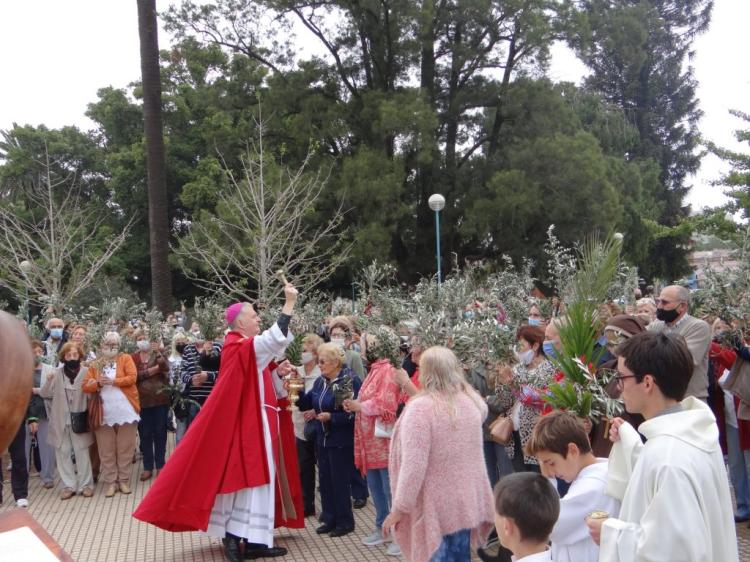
x: 638, y: 53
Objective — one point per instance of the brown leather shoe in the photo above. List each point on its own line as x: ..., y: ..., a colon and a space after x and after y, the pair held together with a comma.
x: 87, y: 492
x: 66, y: 494
x: 124, y: 488
x: 111, y: 489
x: 146, y: 475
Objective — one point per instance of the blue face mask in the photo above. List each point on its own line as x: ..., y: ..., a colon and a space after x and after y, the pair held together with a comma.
x: 534, y: 321
x: 602, y: 341
x: 549, y: 349
x: 469, y: 315
x: 56, y: 333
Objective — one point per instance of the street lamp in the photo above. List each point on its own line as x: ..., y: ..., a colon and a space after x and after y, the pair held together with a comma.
x: 25, y: 266
x: 437, y: 204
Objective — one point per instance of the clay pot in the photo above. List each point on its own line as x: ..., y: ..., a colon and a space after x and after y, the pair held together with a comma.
x: 16, y: 376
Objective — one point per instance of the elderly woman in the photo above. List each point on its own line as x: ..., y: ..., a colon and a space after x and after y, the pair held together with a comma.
x: 152, y: 370
x: 304, y: 420
x: 114, y: 377
x: 520, y: 390
x: 334, y: 437
x: 645, y: 309
x: 63, y: 388
x: 442, y: 502
x: 376, y: 413
x: 39, y: 406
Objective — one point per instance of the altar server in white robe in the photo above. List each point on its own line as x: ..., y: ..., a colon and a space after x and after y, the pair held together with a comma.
x: 676, y: 504
x: 561, y: 445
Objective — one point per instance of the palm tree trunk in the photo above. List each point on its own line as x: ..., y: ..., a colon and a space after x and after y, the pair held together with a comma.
x: 158, y: 219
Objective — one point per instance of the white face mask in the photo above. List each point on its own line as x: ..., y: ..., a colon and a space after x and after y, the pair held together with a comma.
x: 143, y: 345
x: 526, y: 357
x: 341, y: 342
x: 307, y: 356
x: 109, y: 352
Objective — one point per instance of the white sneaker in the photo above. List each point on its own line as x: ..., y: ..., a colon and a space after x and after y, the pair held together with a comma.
x: 393, y: 550
x: 373, y: 539
x: 23, y: 502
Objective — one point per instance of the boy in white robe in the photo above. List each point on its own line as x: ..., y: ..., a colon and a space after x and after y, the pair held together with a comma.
x: 676, y: 503
x: 526, y: 508
x: 560, y: 444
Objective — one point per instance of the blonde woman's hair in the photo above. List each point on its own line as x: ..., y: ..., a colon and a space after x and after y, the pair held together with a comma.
x: 442, y: 377
x: 313, y: 339
x: 331, y: 351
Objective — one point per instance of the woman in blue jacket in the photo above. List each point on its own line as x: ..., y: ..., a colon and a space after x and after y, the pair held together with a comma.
x: 334, y: 437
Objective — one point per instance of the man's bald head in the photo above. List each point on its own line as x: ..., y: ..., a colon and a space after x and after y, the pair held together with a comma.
x: 676, y: 293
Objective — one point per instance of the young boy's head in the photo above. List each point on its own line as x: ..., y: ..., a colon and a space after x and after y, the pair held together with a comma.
x: 560, y: 444
x: 526, y: 510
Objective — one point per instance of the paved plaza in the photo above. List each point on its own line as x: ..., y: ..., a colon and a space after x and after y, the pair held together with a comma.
x: 101, y: 530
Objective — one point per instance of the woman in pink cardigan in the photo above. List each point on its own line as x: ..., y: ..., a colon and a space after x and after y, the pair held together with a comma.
x: 376, y: 405
x: 442, y: 502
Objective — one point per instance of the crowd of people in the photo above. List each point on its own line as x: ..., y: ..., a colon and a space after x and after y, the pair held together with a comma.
x: 415, y: 436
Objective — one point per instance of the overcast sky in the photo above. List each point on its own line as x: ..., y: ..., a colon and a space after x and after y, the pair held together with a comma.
x: 56, y: 55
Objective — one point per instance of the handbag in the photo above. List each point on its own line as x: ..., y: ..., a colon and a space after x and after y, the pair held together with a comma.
x: 501, y: 430
x: 383, y: 430
x: 79, y: 422
x: 95, y: 412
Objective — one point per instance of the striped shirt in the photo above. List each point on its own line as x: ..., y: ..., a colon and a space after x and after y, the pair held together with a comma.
x: 193, y: 362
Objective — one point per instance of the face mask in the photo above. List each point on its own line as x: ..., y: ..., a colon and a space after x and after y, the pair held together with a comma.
x: 143, y: 345
x: 526, y: 357
x: 549, y: 349
x: 72, y: 364
x: 307, y: 356
x: 179, y: 347
x: 56, y: 333
x: 37, y: 359
x: 667, y: 315
x: 341, y: 342
x: 534, y: 321
x: 109, y: 352
x: 469, y: 315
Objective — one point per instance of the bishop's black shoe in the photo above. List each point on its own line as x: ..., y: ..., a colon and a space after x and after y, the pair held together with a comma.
x: 360, y: 503
x: 264, y: 552
x: 232, y: 549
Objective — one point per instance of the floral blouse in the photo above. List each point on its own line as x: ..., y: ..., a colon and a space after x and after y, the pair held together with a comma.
x: 528, y: 386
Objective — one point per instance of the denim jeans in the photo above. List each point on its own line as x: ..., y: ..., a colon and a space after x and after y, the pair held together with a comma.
x: 739, y: 462
x: 184, y: 424
x: 497, y: 461
x: 380, y: 490
x: 153, y: 432
x: 454, y: 548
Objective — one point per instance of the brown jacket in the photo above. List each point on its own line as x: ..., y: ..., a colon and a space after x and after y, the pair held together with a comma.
x: 153, y: 376
x: 125, y: 379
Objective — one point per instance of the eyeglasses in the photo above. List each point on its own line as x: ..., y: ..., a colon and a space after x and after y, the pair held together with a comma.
x: 621, y: 378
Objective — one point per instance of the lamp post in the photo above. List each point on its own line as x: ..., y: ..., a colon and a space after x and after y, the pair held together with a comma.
x: 25, y: 266
x: 437, y: 204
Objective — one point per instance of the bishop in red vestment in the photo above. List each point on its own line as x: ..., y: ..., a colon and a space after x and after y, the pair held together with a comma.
x: 235, y: 474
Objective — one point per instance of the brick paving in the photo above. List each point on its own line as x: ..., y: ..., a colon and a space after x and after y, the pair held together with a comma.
x: 101, y: 529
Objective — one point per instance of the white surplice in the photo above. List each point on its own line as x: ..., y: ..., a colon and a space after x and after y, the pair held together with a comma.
x: 571, y: 541
x: 676, y: 504
x: 250, y: 512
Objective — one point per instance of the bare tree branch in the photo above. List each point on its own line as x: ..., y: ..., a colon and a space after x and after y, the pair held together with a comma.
x: 262, y: 224
x: 51, y: 247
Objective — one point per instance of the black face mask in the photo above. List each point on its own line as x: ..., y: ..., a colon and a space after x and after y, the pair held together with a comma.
x: 72, y: 364
x: 667, y: 315
x: 180, y: 347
